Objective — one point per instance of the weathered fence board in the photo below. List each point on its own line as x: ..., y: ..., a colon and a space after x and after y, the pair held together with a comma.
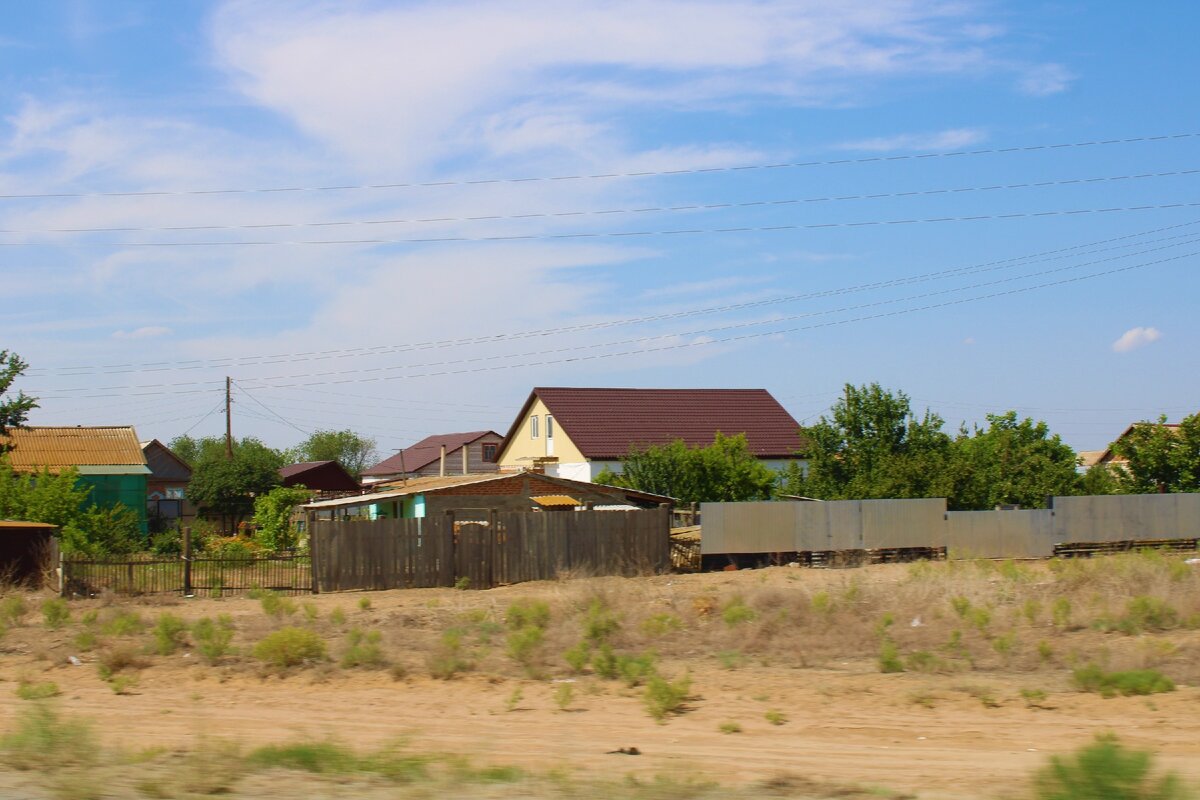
x: 507, y: 548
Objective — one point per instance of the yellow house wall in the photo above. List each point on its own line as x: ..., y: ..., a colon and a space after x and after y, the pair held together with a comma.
x: 521, y: 451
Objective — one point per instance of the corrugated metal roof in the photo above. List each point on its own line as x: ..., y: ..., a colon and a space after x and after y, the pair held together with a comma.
x: 8, y: 523
x: 397, y: 489
x: 554, y: 500
x: 425, y: 452
x: 606, y: 423
x: 57, y: 447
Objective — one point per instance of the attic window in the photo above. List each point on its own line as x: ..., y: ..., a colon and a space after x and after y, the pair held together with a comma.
x: 533, y: 427
x: 489, y: 452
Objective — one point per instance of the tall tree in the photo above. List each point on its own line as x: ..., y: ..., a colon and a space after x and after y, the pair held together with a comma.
x: 1011, y: 461
x: 13, y: 410
x: 194, y: 450
x: 226, y: 488
x: 352, y: 451
x: 873, y: 446
x: 725, y: 471
x: 1159, y: 458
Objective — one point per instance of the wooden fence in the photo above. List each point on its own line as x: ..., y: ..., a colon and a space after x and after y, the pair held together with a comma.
x: 507, y: 548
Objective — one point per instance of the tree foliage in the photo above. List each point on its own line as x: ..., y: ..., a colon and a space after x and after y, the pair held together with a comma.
x: 226, y: 488
x: 725, y: 471
x: 272, y: 516
x: 352, y: 451
x: 60, y: 499
x: 13, y: 410
x: 1160, y: 458
x: 873, y: 446
x: 1011, y: 461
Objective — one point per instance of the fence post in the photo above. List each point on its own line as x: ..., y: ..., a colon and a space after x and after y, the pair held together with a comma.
x: 310, y: 517
x: 187, y: 560
x: 492, y: 550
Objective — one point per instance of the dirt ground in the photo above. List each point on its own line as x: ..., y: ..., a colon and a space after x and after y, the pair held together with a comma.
x: 931, y: 735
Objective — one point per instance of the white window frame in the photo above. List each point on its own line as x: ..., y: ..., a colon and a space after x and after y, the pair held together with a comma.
x: 549, y: 426
x: 533, y: 426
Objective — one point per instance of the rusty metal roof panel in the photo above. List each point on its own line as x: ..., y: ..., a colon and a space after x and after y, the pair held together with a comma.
x: 56, y: 448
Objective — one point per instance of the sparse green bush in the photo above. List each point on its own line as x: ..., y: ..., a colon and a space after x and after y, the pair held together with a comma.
x: 274, y: 604
x: 364, y: 604
x: 729, y: 727
x: 13, y: 610
x: 37, y: 691
x: 635, y: 669
x: 1145, y: 613
x: 124, y: 623
x: 661, y: 624
x: 822, y: 603
x: 290, y: 647
x: 577, y: 657
x: 55, y: 612
x: 776, y: 717
x: 1061, y: 613
x: 118, y: 659
x: 363, y: 649
x: 169, y: 634
x: 924, y: 661
x: 43, y: 740
x: 514, y: 699
x: 663, y: 697
x: 311, y: 612
x: 1106, y: 770
x: 605, y: 662
x: 1034, y: 698
x: 449, y: 658
x: 337, y: 616
x: 463, y: 583
x: 1092, y: 678
x: 736, y: 612
x: 213, y: 638
x: 522, y: 645
x: 889, y: 658
x: 86, y: 641
x: 599, y: 623
x: 563, y: 695
x: 527, y: 614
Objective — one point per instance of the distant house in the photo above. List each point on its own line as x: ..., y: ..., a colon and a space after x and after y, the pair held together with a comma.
x: 471, y: 497
x: 575, y: 433
x: 326, y: 478
x: 471, y: 453
x: 109, y: 460
x: 1108, y: 457
x: 167, y: 503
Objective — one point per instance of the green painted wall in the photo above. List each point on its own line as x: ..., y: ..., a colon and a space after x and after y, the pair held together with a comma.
x: 130, y: 490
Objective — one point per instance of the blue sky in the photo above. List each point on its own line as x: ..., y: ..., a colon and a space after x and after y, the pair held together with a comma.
x: 1056, y: 280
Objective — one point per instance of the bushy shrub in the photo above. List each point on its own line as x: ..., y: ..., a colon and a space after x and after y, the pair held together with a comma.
x: 55, y: 612
x: 1092, y: 678
x: 527, y: 614
x: 363, y: 649
x: 169, y: 634
x: 449, y: 658
x: 290, y: 647
x: 599, y: 623
x: 1106, y: 770
x: 889, y: 658
x: 213, y: 637
x: 663, y: 696
x: 13, y: 610
x: 44, y: 740
x: 736, y: 612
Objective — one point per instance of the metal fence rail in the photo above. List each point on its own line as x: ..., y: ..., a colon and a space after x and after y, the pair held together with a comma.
x: 214, y: 576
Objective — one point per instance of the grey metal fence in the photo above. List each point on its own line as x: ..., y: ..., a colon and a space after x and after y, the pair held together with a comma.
x: 841, y: 525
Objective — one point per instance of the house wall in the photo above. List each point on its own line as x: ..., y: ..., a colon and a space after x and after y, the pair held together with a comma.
x: 129, y: 490
x: 475, y: 463
x: 522, y: 449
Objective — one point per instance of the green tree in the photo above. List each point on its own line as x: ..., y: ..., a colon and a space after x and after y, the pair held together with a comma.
x: 226, y: 488
x: 725, y: 471
x: 1160, y: 458
x: 272, y: 516
x: 194, y: 450
x: 873, y: 446
x: 1099, y: 479
x: 13, y: 410
x: 1011, y: 461
x: 352, y: 451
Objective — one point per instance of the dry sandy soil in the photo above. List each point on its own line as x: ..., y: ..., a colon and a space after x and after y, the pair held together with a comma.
x: 849, y: 730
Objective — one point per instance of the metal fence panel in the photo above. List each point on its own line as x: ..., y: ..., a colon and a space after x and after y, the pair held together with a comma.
x: 890, y: 524
x: 753, y: 527
x: 1024, y: 533
x: 1123, y: 518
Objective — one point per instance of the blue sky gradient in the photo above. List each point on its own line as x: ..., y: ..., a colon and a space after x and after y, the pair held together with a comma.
x: 1058, y: 281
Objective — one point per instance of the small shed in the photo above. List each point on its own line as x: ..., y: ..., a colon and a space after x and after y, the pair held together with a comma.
x: 326, y: 478
x: 28, y: 550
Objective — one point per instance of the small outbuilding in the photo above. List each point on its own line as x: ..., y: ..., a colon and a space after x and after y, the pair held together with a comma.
x: 28, y: 551
x: 326, y: 478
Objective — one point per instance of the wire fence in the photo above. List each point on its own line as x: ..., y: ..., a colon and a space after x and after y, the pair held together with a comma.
x: 213, y: 576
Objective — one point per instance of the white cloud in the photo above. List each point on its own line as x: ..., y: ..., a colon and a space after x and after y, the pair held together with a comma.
x: 1134, y: 338
x: 970, y: 340
x: 1045, y: 79
x: 952, y: 139
x: 146, y: 332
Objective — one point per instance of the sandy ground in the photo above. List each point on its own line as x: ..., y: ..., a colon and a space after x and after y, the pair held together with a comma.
x: 962, y: 735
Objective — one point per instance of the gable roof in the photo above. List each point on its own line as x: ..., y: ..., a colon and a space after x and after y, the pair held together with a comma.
x: 164, y: 463
x: 1107, y: 456
x: 91, y: 449
x: 425, y: 452
x: 319, y: 476
x: 606, y: 423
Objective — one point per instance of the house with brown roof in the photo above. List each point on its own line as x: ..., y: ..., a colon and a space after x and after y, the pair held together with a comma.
x: 471, y: 453
x: 575, y: 433
x: 167, y: 503
x: 109, y: 460
x: 326, y: 478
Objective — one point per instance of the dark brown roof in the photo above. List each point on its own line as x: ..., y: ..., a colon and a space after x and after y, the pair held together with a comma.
x: 321, y: 476
x: 606, y: 423
x: 425, y: 452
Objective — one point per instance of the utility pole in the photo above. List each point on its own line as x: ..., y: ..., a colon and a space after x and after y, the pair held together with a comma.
x: 228, y: 419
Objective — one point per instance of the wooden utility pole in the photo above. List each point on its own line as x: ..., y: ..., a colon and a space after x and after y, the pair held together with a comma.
x: 228, y: 419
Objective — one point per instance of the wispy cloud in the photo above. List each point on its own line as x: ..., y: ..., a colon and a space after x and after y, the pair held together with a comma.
x: 1045, y: 79
x: 951, y: 139
x: 1134, y: 338
x: 146, y: 332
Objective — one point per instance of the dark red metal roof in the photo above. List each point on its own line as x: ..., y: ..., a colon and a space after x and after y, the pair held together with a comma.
x: 320, y: 476
x: 606, y: 423
x: 425, y: 452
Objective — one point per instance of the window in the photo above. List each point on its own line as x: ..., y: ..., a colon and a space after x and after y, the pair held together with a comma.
x: 489, y: 452
x: 549, y: 427
x: 533, y: 428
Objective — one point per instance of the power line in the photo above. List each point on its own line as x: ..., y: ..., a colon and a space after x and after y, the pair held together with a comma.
x: 610, y: 211
x: 271, y: 410
x: 697, y: 343
x: 1054, y: 254
x: 534, y: 237
x: 609, y: 175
